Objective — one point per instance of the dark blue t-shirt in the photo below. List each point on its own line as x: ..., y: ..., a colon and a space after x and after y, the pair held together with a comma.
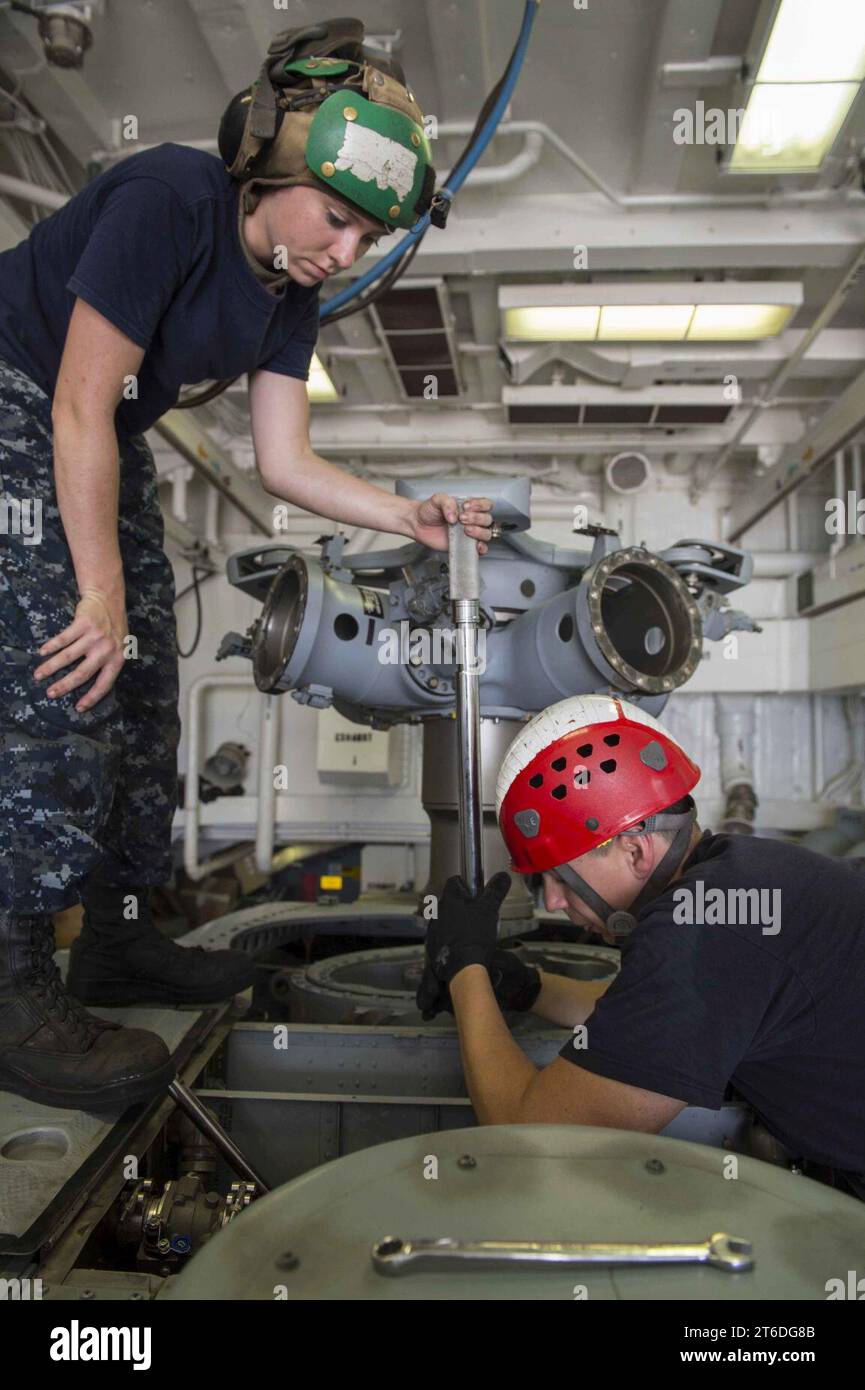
x: 761, y: 998
x: 153, y: 245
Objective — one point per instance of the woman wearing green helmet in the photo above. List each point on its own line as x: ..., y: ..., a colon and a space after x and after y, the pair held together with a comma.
x: 171, y: 267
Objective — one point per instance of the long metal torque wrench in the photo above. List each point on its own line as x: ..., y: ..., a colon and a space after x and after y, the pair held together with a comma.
x: 465, y: 599
x: 395, y: 1256
x: 210, y: 1127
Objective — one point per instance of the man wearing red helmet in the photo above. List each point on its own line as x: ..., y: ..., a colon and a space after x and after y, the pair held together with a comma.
x: 716, y: 996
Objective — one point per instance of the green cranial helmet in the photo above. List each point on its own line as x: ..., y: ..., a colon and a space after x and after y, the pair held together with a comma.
x: 327, y: 112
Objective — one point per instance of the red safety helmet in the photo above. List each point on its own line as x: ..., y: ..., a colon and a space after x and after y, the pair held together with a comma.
x: 581, y: 771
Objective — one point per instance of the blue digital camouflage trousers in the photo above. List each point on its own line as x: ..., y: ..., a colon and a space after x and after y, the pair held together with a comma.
x: 92, y: 792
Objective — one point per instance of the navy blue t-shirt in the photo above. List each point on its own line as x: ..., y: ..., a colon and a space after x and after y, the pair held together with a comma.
x: 765, y: 1004
x: 153, y: 245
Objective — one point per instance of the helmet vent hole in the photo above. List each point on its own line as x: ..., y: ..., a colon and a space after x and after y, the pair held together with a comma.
x: 585, y: 751
x: 559, y: 764
x: 559, y: 792
x: 611, y: 740
x: 537, y: 780
x: 608, y: 765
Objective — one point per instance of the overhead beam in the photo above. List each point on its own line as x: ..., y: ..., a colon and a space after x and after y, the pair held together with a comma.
x: 231, y: 41
x: 264, y: 22
x: 484, y: 309
x: 434, y: 432
x: 541, y: 232
x: 684, y: 36
x: 458, y: 70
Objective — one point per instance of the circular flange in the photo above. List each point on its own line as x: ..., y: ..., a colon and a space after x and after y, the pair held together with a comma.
x: 668, y: 618
x: 385, y: 981
x: 287, y: 628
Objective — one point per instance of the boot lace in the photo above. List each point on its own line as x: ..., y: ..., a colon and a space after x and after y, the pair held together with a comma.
x: 46, y: 981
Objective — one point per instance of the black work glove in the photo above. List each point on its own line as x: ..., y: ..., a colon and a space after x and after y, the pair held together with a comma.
x: 516, y: 986
x: 465, y: 931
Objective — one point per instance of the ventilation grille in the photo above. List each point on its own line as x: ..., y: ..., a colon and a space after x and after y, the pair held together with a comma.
x: 646, y: 416
x: 413, y: 323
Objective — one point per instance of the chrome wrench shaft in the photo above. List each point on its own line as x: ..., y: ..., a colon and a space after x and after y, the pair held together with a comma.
x: 465, y: 597
x: 395, y: 1256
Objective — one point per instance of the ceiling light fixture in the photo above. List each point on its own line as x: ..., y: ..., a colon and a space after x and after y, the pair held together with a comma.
x: 809, y: 64
x: 648, y: 312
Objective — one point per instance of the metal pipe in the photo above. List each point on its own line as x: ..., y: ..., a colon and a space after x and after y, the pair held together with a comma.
x: 465, y: 597
x: 211, y: 516
x: 268, y: 737
x: 210, y: 1127
x: 514, y: 168
x: 702, y: 72
x: 735, y: 723
x: 494, y: 446
x: 32, y: 192
x: 178, y: 480
x: 839, y: 475
x: 819, y: 772
x: 792, y: 522
x: 780, y: 564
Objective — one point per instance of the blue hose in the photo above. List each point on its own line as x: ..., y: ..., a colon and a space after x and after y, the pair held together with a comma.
x: 457, y: 176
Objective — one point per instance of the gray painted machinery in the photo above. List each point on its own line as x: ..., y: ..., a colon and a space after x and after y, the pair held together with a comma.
x: 376, y: 636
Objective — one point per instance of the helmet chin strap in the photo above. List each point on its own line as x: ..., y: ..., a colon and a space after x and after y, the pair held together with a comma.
x: 621, y: 921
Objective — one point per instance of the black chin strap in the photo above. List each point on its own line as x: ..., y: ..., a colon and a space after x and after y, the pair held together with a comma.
x: 621, y: 921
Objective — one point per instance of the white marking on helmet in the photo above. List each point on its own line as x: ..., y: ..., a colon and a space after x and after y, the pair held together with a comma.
x: 576, y: 712
x: 370, y: 156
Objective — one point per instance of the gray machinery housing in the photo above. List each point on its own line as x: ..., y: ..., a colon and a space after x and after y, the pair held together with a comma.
x: 372, y: 634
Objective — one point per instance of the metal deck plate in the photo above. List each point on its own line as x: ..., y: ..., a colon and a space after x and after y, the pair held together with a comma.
x: 312, y: 1238
x: 47, y: 1153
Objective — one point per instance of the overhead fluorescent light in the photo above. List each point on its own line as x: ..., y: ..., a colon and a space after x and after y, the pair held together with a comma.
x: 808, y: 77
x: 811, y: 42
x: 648, y: 312
x: 789, y: 129
x: 723, y: 322
x: 553, y: 323
x: 651, y: 322
x: 320, y: 388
